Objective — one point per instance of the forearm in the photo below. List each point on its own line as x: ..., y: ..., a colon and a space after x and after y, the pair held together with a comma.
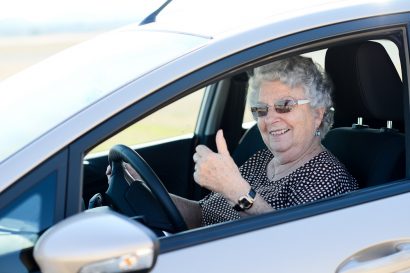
x: 190, y: 210
x: 259, y: 206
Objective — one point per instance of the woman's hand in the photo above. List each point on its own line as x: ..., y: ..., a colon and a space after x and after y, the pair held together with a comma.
x: 218, y: 172
x: 133, y: 174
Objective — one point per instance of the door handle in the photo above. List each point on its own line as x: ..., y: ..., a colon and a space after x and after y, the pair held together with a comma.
x: 386, y: 257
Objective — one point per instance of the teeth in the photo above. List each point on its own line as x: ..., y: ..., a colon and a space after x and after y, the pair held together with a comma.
x: 278, y: 132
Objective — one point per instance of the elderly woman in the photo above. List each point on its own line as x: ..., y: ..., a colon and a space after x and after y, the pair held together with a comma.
x: 291, y: 102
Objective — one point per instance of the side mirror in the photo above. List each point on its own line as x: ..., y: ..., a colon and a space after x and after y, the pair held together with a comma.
x: 98, y: 240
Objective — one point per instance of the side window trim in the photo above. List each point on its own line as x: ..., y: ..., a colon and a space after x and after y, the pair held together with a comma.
x: 405, y: 65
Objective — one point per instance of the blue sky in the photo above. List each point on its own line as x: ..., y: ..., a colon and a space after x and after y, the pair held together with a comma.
x: 28, y: 17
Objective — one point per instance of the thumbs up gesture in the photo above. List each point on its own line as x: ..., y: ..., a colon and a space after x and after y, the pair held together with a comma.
x: 217, y: 171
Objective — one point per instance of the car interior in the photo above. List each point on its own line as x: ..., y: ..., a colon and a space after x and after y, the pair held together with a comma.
x: 367, y: 135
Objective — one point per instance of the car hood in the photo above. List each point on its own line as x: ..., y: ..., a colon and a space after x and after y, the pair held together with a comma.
x: 48, y: 93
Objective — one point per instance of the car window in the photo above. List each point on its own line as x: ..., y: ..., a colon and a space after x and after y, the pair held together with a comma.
x: 174, y: 120
x: 21, y: 223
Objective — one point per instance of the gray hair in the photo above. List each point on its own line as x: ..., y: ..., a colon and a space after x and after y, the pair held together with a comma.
x: 297, y: 71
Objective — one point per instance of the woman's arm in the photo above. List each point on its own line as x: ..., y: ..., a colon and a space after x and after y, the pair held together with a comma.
x: 259, y: 206
x: 219, y: 173
x: 191, y: 211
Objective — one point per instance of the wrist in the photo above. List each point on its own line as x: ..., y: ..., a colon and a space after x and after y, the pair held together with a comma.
x: 236, y: 189
x: 246, y: 201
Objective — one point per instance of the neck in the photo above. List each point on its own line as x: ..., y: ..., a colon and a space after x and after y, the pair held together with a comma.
x: 280, y: 167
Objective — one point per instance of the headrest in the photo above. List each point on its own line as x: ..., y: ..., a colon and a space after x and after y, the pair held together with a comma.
x: 366, y: 83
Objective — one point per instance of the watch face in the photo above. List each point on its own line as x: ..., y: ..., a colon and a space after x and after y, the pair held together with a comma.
x: 245, y: 203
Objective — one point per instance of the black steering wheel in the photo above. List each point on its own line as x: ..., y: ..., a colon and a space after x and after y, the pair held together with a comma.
x: 147, y: 199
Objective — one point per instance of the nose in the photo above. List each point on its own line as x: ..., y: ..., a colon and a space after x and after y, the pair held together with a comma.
x: 272, y: 116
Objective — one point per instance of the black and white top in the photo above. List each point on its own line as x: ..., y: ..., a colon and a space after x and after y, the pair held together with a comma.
x: 322, y: 176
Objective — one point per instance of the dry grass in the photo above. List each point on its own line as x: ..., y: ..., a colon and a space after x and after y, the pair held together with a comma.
x: 18, y: 53
x: 176, y: 119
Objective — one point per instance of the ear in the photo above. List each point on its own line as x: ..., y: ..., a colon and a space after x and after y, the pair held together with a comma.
x: 318, y: 114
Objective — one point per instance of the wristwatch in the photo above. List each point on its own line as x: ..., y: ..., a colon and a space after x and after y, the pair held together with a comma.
x: 245, y: 202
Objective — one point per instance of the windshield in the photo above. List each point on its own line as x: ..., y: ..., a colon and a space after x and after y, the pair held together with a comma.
x: 41, y: 97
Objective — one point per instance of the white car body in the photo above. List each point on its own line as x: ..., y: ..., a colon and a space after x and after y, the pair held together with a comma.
x: 63, y: 98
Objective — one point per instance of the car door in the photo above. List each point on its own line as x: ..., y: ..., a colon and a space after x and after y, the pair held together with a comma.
x: 362, y: 228
x: 364, y: 231
x: 316, y: 238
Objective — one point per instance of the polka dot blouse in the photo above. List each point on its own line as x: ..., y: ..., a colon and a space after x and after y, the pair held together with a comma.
x: 322, y: 176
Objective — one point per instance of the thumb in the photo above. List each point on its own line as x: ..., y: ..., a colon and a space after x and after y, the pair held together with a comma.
x: 221, y: 143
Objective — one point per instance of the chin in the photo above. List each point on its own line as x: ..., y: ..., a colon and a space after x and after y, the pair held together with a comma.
x: 277, y: 149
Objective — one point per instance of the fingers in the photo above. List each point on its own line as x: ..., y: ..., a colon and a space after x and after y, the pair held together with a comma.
x: 196, y: 178
x: 221, y: 146
x: 195, y: 157
x: 133, y: 173
x: 108, y: 170
x: 221, y: 143
x: 205, y: 159
x: 202, y: 150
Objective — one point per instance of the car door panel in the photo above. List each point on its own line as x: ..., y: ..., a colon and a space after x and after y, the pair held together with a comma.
x: 315, y: 244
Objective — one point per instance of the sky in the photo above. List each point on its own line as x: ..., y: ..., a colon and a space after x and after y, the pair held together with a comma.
x: 28, y: 17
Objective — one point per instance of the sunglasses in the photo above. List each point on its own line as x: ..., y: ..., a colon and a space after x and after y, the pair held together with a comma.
x: 281, y: 107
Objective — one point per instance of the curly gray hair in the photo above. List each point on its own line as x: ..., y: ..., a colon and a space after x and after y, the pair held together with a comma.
x: 297, y: 71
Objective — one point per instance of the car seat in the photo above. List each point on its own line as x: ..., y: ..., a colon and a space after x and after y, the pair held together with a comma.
x: 368, y: 98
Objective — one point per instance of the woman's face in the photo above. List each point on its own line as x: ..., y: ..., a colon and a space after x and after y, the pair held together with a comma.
x: 288, y: 135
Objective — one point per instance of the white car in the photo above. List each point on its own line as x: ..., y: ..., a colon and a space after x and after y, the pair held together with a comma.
x: 57, y: 213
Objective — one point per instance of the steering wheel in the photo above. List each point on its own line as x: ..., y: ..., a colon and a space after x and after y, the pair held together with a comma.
x: 148, y: 199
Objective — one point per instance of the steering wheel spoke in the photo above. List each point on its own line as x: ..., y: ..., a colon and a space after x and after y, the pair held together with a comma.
x: 148, y: 199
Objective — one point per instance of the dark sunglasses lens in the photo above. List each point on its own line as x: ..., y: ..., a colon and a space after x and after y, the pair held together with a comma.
x: 258, y: 112
x: 284, y: 106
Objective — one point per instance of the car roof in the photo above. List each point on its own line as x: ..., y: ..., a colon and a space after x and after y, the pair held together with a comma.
x: 212, y: 18
x: 79, y: 88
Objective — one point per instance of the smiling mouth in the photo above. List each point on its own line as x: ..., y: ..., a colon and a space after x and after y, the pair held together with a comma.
x: 279, y: 132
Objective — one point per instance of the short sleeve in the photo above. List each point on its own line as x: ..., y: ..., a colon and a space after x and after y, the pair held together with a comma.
x: 215, y: 209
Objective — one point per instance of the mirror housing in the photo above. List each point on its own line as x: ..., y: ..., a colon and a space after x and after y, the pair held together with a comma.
x: 97, y: 240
